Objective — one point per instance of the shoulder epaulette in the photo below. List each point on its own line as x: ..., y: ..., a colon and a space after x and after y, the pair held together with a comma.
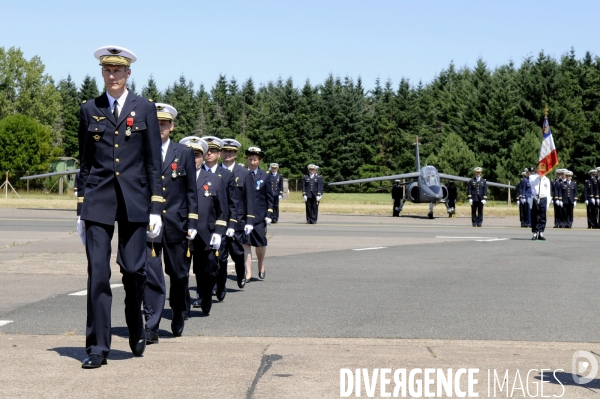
x: 84, y: 101
x: 151, y: 100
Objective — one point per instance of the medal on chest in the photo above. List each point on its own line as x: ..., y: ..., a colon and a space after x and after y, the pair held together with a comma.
x: 129, y: 123
x: 205, y: 187
x: 174, y: 168
x: 258, y: 182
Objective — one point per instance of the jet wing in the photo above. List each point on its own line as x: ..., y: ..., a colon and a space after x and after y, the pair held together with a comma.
x: 466, y: 179
x: 411, y: 175
x: 66, y: 172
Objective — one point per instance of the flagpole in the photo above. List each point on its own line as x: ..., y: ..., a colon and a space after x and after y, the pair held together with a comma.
x: 540, y: 182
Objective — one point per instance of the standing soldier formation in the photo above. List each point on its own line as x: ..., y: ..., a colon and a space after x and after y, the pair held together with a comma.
x: 590, y: 191
x: 477, y: 195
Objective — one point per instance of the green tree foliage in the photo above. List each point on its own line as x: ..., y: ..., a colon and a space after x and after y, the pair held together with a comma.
x: 181, y: 96
x: 88, y: 89
x: 69, y: 115
x: 26, y: 89
x: 151, y: 91
x: 25, y: 144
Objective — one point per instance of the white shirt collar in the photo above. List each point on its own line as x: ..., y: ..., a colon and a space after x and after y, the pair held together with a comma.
x: 213, y: 169
x: 228, y: 167
x: 120, y: 100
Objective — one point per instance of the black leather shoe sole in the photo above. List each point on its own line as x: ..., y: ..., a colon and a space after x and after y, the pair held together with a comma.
x: 261, y: 275
x: 241, y: 283
x: 221, y: 295
x: 93, y: 362
x: 138, y: 346
x: 197, y: 303
x: 151, y: 337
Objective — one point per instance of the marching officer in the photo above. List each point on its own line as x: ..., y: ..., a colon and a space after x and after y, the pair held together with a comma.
x: 589, y: 197
x: 179, y: 226
x: 396, y: 198
x: 526, y: 198
x: 276, y: 183
x: 245, y: 202
x: 540, y: 190
x: 263, y: 210
x: 311, y: 194
x: 569, y: 199
x: 211, y: 165
x: 119, y: 180
x: 477, y: 194
x: 212, y: 224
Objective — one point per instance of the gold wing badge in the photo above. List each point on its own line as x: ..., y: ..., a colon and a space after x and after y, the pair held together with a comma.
x: 98, y: 118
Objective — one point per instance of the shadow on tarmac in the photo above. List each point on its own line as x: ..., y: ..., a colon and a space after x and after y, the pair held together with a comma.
x: 78, y: 353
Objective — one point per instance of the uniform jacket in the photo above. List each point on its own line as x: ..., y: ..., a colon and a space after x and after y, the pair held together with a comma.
x: 227, y: 176
x: 589, y: 189
x: 312, y: 187
x: 276, y: 184
x: 212, y: 206
x: 109, y: 155
x: 179, y: 193
x: 524, y: 188
x: 263, y: 204
x: 396, y: 192
x: 477, y: 190
x: 569, y: 192
x: 245, y: 196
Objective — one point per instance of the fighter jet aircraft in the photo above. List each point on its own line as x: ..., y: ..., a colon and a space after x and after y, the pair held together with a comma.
x: 424, y: 186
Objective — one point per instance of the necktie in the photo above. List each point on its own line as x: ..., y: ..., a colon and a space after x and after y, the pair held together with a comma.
x: 116, y: 110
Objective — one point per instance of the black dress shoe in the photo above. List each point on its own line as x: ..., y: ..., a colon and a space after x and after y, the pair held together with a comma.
x: 241, y: 283
x: 151, y: 337
x: 138, y: 346
x: 177, y: 324
x: 197, y: 303
x: 541, y: 237
x: 93, y: 362
x: 221, y: 295
x: 261, y: 275
x: 206, y: 308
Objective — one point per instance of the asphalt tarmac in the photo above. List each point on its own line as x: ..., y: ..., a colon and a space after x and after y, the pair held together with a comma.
x: 412, y: 278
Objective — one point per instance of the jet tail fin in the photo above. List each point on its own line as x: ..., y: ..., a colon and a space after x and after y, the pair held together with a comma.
x: 418, y: 160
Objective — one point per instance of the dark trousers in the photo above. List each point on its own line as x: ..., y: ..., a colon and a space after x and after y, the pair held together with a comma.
x: 591, y: 220
x: 538, y: 215
x: 556, y: 214
x: 206, y: 267
x: 568, y: 211
x: 312, y: 210
x: 396, y: 213
x: 131, y: 257
x: 236, y: 251
x: 177, y: 267
x: 275, y: 208
x: 223, y: 260
x: 525, y: 211
x: 477, y: 213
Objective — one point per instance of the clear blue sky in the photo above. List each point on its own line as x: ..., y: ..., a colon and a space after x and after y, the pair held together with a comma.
x: 300, y: 39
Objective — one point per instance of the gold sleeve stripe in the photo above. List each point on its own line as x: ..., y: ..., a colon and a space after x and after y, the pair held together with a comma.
x: 269, y: 210
x: 232, y: 220
x: 79, y: 200
x: 156, y: 198
x: 193, y: 216
x: 250, y: 216
x: 221, y: 223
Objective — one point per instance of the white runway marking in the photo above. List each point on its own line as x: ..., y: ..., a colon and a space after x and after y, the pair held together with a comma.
x: 84, y: 292
x: 493, y: 239
x: 367, y: 249
x: 468, y: 238
x: 4, y: 322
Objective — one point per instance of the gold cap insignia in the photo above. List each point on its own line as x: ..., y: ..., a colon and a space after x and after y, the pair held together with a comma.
x: 96, y: 137
x: 114, y: 51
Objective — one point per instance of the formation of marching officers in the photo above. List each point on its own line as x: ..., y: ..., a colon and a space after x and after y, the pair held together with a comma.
x: 174, y: 203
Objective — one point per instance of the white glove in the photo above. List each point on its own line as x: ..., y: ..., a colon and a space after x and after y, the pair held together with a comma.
x: 593, y: 201
x: 248, y: 229
x: 305, y: 199
x: 471, y: 201
x: 192, y: 234
x: 281, y: 197
x: 557, y: 203
x: 229, y: 232
x: 215, y: 241
x: 318, y: 198
x: 522, y: 200
x: 561, y: 203
x: 81, y: 229
x: 154, y: 226
x: 547, y: 205
x: 574, y: 203
x: 267, y: 221
x: 586, y: 201
x: 483, y: 202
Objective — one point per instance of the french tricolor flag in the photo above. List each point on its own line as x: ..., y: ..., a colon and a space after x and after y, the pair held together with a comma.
x: 548, y: 153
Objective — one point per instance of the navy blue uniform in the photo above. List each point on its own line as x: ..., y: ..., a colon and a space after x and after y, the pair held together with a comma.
x: 119, y: 180
x: 245, y: 197
x: 179, y: 215
x: 312, y: 187
x: 589, y: 194
x: 524, y: 190
x: 263, y: 207
x: 396, y: 197
x: 561, y: 216
x: 212, y: 213
x: 477, y: 191
x: 276, y: 184
x: 569, y: 198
